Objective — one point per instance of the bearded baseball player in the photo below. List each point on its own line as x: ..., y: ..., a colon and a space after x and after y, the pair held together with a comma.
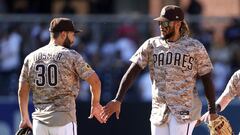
x: 175, y: 61
x: 53, y: 73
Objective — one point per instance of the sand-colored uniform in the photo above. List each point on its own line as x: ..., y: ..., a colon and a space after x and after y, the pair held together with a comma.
x: 233, y: 87
x: 174, y: 68
x: 54, y: 73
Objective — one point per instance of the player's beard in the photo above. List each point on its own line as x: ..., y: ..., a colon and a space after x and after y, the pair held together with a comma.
x: 169, y: 34
x: 67, y: 43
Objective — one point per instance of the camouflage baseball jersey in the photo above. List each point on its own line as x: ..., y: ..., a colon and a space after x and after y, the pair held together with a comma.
x: 54, y: 73
x: 174, y: 68
x: 233, y: 87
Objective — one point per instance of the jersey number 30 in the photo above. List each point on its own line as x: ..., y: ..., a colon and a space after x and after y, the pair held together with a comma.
x: 46, y: 74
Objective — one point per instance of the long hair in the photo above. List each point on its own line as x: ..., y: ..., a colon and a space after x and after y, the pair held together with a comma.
x: 184, y: 29
x: 54, y: 35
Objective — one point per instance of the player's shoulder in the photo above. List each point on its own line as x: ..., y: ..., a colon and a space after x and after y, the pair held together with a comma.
x: 235, y: 76
x: 192, y: 41
x: 237, y: 73
x: 70, y: 52
x: 152, y: 41
x: 33, y: 53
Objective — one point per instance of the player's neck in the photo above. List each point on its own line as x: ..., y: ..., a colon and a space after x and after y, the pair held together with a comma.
x: 55, y: 42
x: 175, y: 37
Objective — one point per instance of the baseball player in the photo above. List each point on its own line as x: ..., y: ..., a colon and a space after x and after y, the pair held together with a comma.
x: 175, y: 61
x: 231, y: 91
x: 53, y: 73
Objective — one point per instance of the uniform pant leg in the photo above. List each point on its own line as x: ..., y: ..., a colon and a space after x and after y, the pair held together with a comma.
x: 179, y: 128
x: 160, y: 130
x: 39, y: 128
x: 68, y: 129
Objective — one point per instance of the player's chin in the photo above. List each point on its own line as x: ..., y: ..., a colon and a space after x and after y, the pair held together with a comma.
x: 163, y: 37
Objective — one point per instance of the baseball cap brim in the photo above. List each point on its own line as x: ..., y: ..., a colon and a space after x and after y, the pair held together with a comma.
x: 161, y: 19
x: 75, y: 31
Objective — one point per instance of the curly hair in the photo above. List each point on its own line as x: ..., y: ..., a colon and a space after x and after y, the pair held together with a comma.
x: 184, y: 29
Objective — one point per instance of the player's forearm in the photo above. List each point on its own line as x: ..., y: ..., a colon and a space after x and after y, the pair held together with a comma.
x: 95, y: 88
x: 209, y: 92
x: 223, y: 101
x: 127, y: 81
x: 23, y: 97
x: 95, y: 93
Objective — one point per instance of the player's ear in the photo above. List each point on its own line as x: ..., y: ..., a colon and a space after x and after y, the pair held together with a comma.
x: 180, y: 23
x: 63, y: 34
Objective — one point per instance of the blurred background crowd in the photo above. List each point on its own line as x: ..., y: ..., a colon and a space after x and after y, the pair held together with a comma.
x: 112, y: 31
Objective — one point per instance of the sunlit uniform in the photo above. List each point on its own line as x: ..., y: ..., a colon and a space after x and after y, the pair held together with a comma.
x: 174, y: 68
x: 54, y: 73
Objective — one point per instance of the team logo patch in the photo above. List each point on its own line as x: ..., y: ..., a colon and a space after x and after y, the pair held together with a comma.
x: 87, y: 67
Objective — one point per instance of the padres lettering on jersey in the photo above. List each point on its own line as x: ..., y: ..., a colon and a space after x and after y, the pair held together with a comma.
x: 176, y: 59
x: 174, y: 67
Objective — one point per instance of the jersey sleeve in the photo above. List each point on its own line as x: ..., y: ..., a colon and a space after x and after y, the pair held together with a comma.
x: 204, y: 64
x: 233, y: 86
x: 83, y: 69
x: 141, y: 56
x: 24, y: 71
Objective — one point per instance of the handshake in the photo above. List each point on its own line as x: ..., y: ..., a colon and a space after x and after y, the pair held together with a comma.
x: 103, y: 113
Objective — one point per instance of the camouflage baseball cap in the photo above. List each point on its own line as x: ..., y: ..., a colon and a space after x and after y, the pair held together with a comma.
x: 62, y: 24
x: 171, y: 13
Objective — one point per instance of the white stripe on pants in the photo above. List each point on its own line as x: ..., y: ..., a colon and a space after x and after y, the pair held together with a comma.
x: 172, y: 127
x: 41, y: 129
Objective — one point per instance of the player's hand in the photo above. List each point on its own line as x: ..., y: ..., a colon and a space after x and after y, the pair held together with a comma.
x: 212, y: 116
x: 113, y: 106
x: 206, y: 118
x: 96, y: 110
x: 25, y: 123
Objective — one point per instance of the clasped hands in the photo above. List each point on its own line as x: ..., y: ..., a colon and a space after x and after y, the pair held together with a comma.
x: 103, y: 113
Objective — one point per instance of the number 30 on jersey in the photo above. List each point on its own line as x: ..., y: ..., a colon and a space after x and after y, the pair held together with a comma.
x: 46, y: 75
